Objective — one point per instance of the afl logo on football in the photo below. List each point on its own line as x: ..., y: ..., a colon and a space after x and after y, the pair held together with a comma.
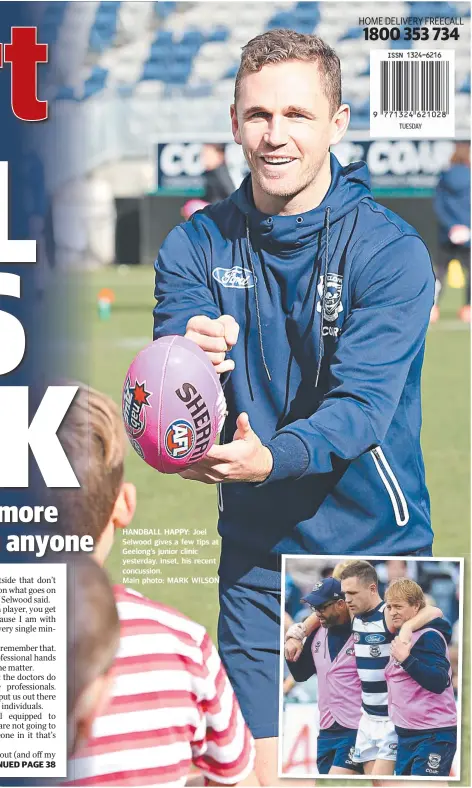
x: 180, y: 439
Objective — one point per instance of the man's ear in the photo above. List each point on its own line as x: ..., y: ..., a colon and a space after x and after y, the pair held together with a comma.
x: 90, y: 705
x: 340, y: 122
x: 125, y: 506
x: 234, y: 124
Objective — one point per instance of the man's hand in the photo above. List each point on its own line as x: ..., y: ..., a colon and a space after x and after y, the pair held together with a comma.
x: 243, y: 460
x: 294, y: 637
x: 216, y: 337
x: 292, y: 649
x: 296, y: 631
x: 400, y: 651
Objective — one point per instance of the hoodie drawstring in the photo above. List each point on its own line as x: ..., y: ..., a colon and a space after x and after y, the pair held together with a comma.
x: 258, y: 314
x: 323, y: 297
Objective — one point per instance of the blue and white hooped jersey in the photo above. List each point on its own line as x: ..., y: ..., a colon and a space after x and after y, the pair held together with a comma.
x: 372, y: 648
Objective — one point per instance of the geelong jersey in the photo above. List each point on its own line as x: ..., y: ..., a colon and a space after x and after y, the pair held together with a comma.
x: 372, y: 646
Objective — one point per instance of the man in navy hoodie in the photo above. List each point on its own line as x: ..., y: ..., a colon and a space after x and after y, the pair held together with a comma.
x: 315, y: 300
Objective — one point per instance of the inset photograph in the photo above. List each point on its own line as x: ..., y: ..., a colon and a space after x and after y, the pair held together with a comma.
x: 371, y: 667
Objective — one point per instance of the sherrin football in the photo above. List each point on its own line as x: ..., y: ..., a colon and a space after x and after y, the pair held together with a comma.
x: 173, y: 404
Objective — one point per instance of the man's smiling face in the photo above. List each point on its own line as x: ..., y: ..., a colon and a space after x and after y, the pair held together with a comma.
x: 284, y: 122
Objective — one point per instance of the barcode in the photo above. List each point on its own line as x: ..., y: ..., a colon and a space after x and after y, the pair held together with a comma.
x: 414, y: 87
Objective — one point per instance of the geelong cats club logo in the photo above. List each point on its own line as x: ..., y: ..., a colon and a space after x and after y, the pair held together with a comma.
x: 434, y: 760
x: 332, y: 300
x: 135, y: 402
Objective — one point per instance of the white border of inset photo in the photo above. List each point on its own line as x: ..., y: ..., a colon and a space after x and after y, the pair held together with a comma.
x: 335, y: 559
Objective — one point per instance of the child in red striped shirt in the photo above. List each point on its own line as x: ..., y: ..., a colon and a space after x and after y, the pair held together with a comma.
x: 171, y: 705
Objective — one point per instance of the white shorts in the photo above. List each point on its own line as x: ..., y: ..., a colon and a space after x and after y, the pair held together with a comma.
x: 376, y: 739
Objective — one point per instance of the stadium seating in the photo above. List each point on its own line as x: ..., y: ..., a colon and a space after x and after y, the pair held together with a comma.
x: 103, y: 29
x: 52, y: 20
x: 192, y: 50
x: 439, y: 9
x: 95, y: 81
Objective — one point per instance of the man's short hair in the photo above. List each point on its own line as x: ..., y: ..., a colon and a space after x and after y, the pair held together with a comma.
x: 94, y: 440
x: 93, y: 627
x: 279, y: 46
x: 361, y: 569
x: 340, y: 567
x: 407, y: 591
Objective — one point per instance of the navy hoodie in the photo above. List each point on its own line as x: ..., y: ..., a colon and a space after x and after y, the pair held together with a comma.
x: 427, y: 662
x: 452, y: 201
x: 333, y: 307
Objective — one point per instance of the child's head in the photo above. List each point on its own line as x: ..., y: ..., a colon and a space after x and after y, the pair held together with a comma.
x: 93, y: 438
x: 92, y: 640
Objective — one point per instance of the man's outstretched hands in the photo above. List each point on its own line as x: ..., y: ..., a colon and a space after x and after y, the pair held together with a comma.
x: 216, y: 337
x: 243, y: 460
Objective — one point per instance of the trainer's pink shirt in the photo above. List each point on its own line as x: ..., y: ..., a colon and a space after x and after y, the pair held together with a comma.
x: 339, y: 685
x: 412, y: 706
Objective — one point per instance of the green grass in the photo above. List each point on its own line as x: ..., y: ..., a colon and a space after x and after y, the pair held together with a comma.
x: 165, y: 501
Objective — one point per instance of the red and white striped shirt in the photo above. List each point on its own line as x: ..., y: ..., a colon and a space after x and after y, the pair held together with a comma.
x: 171, y: 705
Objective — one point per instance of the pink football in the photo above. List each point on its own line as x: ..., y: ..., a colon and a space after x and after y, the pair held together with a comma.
x: 173, y: 404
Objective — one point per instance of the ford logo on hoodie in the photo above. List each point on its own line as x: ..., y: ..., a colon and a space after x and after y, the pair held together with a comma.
x: 234, y: 277
x: 375, y: 639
